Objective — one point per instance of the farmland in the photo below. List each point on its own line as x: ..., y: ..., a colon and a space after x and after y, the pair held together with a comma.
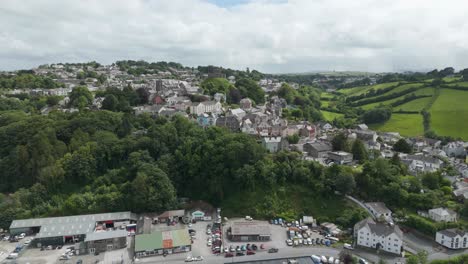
x: 449, y: 114
x: 405, y: 124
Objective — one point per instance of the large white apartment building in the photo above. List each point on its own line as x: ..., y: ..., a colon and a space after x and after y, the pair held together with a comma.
x: 452, y: 238
x: 205, y: 107
x: 371, y: 234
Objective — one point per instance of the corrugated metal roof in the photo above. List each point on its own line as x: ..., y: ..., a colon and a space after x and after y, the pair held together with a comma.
x: 250, y: 228
x: 36, y: 222
x: 105, y: 235
x: 69, y: 225
x: 162, y: 239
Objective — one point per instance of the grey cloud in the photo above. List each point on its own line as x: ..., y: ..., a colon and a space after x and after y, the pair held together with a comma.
x: 272, y: 36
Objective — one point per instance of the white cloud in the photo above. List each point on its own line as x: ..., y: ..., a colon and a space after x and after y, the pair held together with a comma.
x: 272, y: 36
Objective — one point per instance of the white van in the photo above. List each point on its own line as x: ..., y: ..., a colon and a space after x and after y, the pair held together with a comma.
x: 13, y: 256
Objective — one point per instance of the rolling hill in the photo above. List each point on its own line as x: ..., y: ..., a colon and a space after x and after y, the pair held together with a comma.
x: 445, y: 103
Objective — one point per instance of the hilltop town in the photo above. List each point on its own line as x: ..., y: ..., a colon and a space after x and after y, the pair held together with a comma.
x: 283, y: 116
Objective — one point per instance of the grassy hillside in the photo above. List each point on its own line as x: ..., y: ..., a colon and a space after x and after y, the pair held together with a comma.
x: 405, y: 124
x: 292, y: 202
x: 449, y: 110
x: 449, y: 113
x: 415, y: 105
x: 365, y: 89
x: 329, y: 116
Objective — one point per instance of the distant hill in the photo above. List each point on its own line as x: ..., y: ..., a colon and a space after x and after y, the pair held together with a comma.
x: 444, y: 101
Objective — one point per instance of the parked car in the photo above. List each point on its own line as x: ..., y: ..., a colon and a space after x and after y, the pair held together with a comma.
x: 324, y: 259
x: 363, y: 261
x: 250, y: 252
x: 80, y: 261
x: 289, y: 242
x: 240, y: 254
x: 64, y: 257
x: 348, y: 246
x: 254, y: 247
x: 273, y: 250
x: 189, y: 259
x: 309, y: 241
x: 262, y: 246
x: 243, y: 248
x: 232, y: 248
x: 238, y: 248
x: 228, y: 255
x: 248, y: 218
x: 199, y: 258
x: 226, y: 249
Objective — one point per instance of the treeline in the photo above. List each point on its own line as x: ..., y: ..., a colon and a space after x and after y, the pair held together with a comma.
x: 28, y: 81
x: 305, y: 102
x: 142, y: 67
x: 371, y: 93
x: 384, y: 97
x: 408, y: 98
x: 243, y: 88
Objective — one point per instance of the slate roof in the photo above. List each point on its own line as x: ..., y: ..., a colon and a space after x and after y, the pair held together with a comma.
x: 379, y: 207
x: 320, y: 146
x: 442, y: 211
x: 453, y: 232
x: 380, y: 229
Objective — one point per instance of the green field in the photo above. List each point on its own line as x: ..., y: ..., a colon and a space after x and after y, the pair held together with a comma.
x: 327, y: 95
x: 402, y: 88
x: 364, y: 89
x: 415, y: 105
x: 422, y: 91
x: 405, y: 124
x: 462, y: 84
x: 329, y: 116
x: 449, y: 114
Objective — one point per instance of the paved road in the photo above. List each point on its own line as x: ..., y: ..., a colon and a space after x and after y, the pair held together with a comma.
x: 212, y: 259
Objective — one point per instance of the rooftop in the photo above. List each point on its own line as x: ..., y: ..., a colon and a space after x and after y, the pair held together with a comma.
x: 162, y: 239
x: 380, y: 229
x: 105, y: 235
x: 250, y: 228
x: 69, y: 225
x: 378, y: 207
x: 453, y: 232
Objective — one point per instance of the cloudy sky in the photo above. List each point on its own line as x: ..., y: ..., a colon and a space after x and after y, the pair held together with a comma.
x: 268, y: 35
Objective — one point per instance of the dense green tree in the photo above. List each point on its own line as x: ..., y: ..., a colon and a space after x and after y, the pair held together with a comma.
x: 377, y: 115
x: 340, y: 142
x: 359, y: 150
x: 250, y: 89
x: 211, y: 86
x: 80, y: 97
x: 110, y: 102
x: 402, y: 146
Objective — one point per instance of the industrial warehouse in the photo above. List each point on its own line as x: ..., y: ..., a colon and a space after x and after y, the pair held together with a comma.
x: 249, y: 231
x: 92, y: 233
x: 162, y: 242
